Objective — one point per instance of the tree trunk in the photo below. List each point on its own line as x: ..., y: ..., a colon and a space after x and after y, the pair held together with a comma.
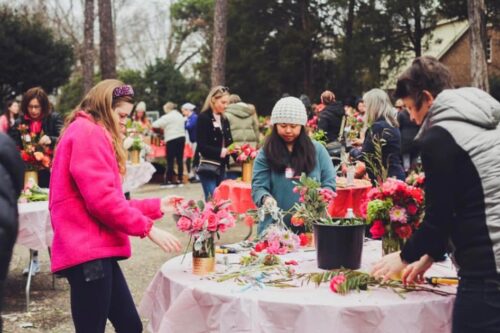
x: 219, y: 43
x: 418, y: 29
x: 349, y: 68
x: 88, y: 46
x: 308, y: 51
x: 107, y: 40
x: 477, y: 29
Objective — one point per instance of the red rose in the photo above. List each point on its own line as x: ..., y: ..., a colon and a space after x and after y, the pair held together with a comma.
x: 404, y: 231
x: 412, y: 209
x: 259, y: 247
x: 377, y: 230
x: 304, y: 240
x: 25, y: 156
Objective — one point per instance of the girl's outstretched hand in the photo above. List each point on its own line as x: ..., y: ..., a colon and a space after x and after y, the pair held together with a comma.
x: 165, y: 240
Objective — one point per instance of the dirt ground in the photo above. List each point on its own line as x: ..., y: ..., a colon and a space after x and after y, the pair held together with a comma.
x: 50, y: 307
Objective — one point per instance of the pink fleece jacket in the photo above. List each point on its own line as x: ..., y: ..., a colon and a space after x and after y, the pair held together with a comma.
x: 90, y: 216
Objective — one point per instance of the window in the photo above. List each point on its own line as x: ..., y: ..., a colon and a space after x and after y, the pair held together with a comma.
x: 489, y: 51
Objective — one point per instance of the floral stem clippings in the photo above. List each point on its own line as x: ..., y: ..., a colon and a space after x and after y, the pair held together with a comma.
x: 313, y: 203
x: 35, y: 155
x: 395, y: 210
x: 342, y: 281
x: 374, y: 161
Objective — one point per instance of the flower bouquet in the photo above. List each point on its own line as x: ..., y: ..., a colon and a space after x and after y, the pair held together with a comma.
x: 354, y: 123
x: 395, y: 210
x: 35, y: 155
x: 202, y: 221
x: 246, y: 154
x: 416, y: 179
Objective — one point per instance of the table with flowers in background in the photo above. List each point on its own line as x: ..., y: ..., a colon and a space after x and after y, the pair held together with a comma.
x: 178, y: 301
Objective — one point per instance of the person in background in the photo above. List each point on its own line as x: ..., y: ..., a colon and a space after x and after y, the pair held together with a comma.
x: 409, y: 130
x: 360, y: 106
x: 174, y: 135
x: 307, y: 104
x: 41, y: 120
x: 140, y: 116
x: 8, y: 119
x: 330, y: 118
x: 459, y: 141
x: 381, y: 125
x: 287, y: 153
x: 88, y: 209
x: 190, y: 126
x: 214, y: 136
x: 12, y: 175
x: 244, y: 126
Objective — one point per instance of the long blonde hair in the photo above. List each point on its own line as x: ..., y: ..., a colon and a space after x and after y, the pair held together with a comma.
x: 214, y: 94
x: 99, y: 103
x: 378, y: 104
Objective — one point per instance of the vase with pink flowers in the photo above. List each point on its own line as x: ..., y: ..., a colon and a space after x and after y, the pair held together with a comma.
x: 203, y: 222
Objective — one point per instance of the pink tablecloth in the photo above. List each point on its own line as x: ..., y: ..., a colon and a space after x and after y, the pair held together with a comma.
x: 240, y: 194
x: 349, y: 197
x: 35, y: 229
x: 177, y: 301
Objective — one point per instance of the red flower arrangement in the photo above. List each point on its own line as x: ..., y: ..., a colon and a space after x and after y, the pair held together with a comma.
x: 245, y: 153
x: 35, y: 155
x: 395, y: 209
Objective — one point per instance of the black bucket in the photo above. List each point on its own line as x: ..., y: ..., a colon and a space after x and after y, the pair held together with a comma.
x: 339, y: 246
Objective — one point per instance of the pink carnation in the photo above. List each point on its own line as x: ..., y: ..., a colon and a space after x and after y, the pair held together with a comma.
x: 336, y: 282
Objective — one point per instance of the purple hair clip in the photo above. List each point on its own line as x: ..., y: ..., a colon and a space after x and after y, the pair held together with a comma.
x: 125, y: 90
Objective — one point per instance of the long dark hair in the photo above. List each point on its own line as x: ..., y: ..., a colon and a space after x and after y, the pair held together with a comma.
x: 7, y: 112
x: 302, y: 158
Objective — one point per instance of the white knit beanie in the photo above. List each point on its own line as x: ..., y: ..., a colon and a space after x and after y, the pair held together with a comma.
x: 289, y: 110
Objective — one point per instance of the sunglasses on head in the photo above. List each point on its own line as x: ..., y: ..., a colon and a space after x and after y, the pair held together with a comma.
x: 223, y: 89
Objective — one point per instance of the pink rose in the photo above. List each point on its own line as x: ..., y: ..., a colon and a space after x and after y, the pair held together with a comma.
x: 336, y: 282
x: 184, y: 224
x: 211, y: 222
x: 253, y: 155
x: 243, y: 157
x: 198, y: 224
x: 404, y: 231
x: 377, y: 230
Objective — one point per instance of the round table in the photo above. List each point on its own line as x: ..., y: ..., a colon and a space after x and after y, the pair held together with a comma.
x: 349, y: 197
x: 178, y: 301
x: 240, y: 194
x: 137, y: 175
x: 35, y: 229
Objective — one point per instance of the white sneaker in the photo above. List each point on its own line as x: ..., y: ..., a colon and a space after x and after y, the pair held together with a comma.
x: 36, y: 268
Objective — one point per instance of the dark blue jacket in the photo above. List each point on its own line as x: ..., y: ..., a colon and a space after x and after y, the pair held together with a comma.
x: 190, y: 126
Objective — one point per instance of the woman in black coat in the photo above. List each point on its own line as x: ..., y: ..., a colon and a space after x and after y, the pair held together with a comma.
x: 11, y: 175
x: 213, y: 137
x: 382, y: 127
x: 39, y: 119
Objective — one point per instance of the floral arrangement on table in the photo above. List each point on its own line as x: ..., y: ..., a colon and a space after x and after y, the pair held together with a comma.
x: 395, y: 210
x: 245, y: 153
x: 416, y: 179
x: 313, y: 203
x: 32, y: 192
x: 355, y: 123
x: 203, y: 221
x: 35, y: 155
x: 134, y: 142
x: 278, y: 240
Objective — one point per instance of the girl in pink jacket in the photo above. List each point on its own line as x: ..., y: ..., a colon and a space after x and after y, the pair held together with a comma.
x: 91, y: 217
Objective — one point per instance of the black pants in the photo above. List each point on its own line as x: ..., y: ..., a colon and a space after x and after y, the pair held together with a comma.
x: 477, y: 306
x: 98, y: 292
x: 1, y: 300
x: 175, y: 151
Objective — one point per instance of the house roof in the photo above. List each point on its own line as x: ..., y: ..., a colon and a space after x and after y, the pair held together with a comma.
x: 435, y: 44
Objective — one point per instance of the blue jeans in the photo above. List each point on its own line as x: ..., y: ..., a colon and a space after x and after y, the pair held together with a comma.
x: 477, y: 306
x: 233, y: 175
x: 209, y: 184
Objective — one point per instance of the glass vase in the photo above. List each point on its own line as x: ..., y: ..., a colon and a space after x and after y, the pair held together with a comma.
x: 31, y: 175
x: 204, y: 256
x: 391, y: 244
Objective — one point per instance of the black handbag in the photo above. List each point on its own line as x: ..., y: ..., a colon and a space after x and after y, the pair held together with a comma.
x: 209, y: 168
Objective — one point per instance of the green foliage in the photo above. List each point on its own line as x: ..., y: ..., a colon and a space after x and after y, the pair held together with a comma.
x: 378, y: 210
x: 374, y: 161
x: 319, y: 136
x: 30, y: 54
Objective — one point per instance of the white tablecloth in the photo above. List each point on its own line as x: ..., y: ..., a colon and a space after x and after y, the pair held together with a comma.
x: 177, y: 301
x: 35, y: 230
x: 137, y: 175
